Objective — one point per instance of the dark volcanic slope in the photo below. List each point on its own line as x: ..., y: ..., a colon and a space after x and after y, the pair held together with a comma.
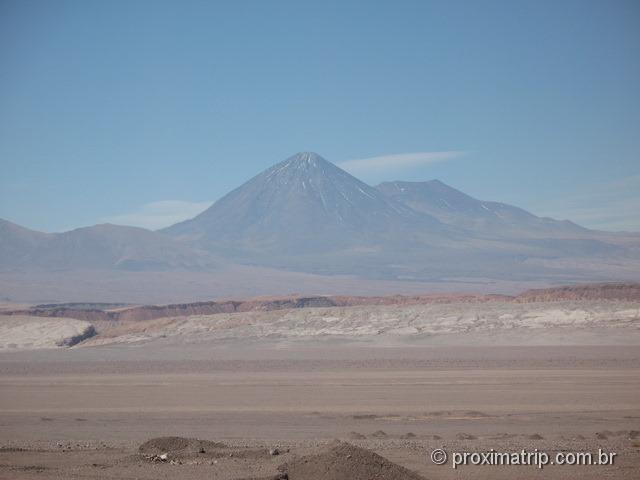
x: 305, y: 205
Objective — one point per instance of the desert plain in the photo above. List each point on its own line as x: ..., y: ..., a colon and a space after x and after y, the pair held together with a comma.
x: 270, y: 392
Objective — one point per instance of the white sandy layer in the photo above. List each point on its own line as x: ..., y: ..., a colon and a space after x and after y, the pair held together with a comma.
x: 24, y: 332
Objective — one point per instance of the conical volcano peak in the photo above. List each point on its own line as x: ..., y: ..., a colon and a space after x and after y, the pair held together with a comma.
x: 303, y: 166
x: 305, y: 160
x: 308, y: 157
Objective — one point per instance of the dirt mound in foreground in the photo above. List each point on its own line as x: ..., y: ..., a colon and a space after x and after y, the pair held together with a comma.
x: 160, y: 445
x: 343, y: 461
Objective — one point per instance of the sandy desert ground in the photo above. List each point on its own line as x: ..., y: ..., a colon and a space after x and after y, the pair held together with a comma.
x: 400, y: 381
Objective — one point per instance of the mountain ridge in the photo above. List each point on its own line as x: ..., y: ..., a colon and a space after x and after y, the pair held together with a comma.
x: 454, y: 207
x: 307, y: 215
x: 98, y: 246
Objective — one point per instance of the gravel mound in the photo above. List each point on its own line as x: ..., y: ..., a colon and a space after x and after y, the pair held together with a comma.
x: 343, y: 461
x: 160, y: 445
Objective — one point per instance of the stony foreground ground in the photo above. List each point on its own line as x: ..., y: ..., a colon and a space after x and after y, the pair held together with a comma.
x: 84, y: 412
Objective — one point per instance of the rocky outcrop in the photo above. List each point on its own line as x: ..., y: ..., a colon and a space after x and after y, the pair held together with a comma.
x: 602, y: 291
x: 151, y: 312
x: 89, y: 332
x: 595, y: 291
x: 19, y: 332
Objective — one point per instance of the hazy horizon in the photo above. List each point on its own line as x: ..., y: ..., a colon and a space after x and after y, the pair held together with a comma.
x: 159, y: 215
x: 146, y: 113
x: 165, y: 213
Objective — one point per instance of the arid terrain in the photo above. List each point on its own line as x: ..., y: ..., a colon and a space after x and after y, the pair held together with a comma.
x: 319, y: 240
x: 270, y: 390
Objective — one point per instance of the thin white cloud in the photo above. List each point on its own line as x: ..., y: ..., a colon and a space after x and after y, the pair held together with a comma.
x: 397, y: 161
x: 159, y: 214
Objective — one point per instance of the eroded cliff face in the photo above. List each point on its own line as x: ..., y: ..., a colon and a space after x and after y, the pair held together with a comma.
x: 151, y: 312
x: 613, y: 291
x: 596, y: 291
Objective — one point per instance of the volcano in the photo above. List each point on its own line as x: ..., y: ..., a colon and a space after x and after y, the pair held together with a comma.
x: 305, y: 205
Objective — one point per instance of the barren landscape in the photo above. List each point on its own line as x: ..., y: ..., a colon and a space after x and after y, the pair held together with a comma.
x: 293, y: 240
x: 270, y: 390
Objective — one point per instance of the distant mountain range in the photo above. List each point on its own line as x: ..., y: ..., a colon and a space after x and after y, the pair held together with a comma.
x: 99, y: 247
x: 305, y: 214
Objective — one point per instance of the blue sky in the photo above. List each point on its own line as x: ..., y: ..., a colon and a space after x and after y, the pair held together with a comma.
x: 144, y: 112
